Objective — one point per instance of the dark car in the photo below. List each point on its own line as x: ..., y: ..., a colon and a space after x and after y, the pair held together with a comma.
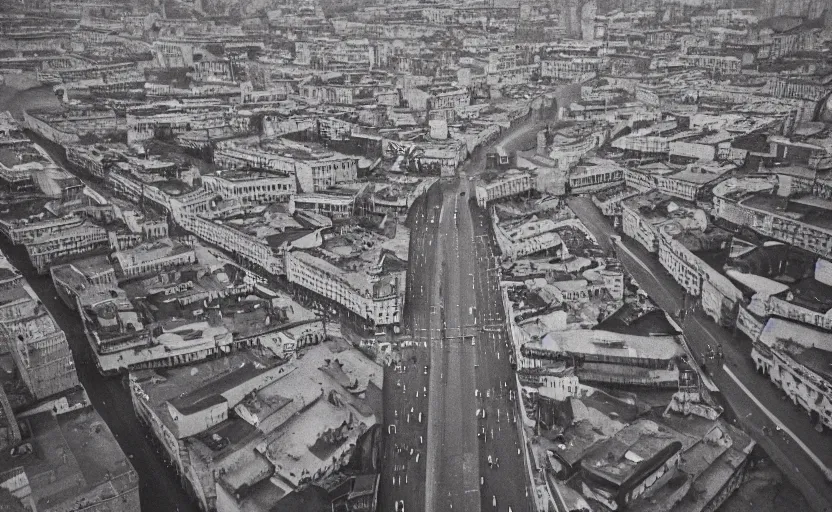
x: 462, y: 193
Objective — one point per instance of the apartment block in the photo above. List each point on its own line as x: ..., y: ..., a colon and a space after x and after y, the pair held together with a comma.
x: 38, y: 346
x: 796, y: 358
x: 508, y: 184
x: 251, y: 188
x: 377, y: 300
x: 152, y: 257
x: 314, y: 167
x: 80, y: 239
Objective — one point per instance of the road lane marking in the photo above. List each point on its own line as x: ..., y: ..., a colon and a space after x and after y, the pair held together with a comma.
x: 824, y: 469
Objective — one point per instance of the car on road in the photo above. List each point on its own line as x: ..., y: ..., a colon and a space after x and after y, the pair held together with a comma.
x: 426, y: 370
x: 462, y: 194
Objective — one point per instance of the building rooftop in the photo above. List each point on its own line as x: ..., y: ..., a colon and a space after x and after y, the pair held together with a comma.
x: 289, y: 429
x: 298, y: 151
x: 198, y: 385
x: 784, y: 207
x: 707, y: 465
x: 807, y: 345
x: 810, y: 294
x: 210, y: 394
x: 695, y: 177
x: 621, y: 456
x: 74, y: 457
x: 611, y: 344
x: 630, y: 320
x: 151, y: 251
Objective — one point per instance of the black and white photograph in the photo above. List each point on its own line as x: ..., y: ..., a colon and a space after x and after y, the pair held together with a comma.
x: 415, y: 256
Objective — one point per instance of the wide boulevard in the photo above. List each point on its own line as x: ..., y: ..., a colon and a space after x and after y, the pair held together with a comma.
x: 450, y: 419
x: 460, y: 449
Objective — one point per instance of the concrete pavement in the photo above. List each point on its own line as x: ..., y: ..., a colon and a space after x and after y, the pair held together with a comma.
x: 742, y: 388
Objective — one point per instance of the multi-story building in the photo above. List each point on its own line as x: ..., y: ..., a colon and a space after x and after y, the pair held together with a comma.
x: 172, y: 54
x: 511, y: 183
x: 67, y: 126
x: 252, y: 250
x: 609, y: 201
x: 24, y: 231
x: 572, y: 69
x: 592, y: 178
x: 503, y: 74
x: 808, y: 300
x: 611, y: 358
x: 802, y: 88
x: 796, y: 358
x: 615, y: 480
x: 335, y: 206
x: 283, y: 412
x: 567, y: 149
x: 449, y: 100
x: 315, y: 167
x: 79, y: 239
x: 719, y: 297
x: 146, y: 122
x: 251, y: 188
x: 534, y: 237
x: 676, y: 231
x: 639, y: 179
x: 801, y: 224
x: 38, y: 346
x: 688, y: 185
x: 69, y: 461
x: 376, y: 299
x: 724, y: 64
x: 152, y: 257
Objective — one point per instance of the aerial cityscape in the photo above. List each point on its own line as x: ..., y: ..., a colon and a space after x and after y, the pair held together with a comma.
x: 422, y: 256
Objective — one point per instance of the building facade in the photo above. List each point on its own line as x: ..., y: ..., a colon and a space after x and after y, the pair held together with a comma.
x: 83, y: 238
x: 252, y: 190
x: 377, y: 303
x: 511, y: 184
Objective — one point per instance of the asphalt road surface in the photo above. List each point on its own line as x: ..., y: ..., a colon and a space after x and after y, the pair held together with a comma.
x: 458, y: 448
x: 465, y: 453
x: 502, y: 466
x: 403, y: 473
x: 731, y: 374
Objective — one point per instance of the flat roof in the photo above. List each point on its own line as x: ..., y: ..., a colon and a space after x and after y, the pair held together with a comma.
x: 699, y: 178
x: 622, y: 455
x: 168, y: 384
x: 607, y: 343
x: 286, y: 237
x: 807, y: 345
x: 72, y: 454
x: 784, y: 207
x: 210, y: 393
